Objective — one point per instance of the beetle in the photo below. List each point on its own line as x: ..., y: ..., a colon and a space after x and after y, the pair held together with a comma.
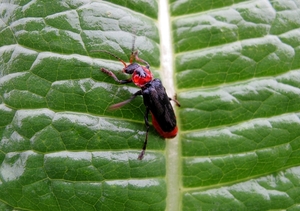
x: 154, y: 95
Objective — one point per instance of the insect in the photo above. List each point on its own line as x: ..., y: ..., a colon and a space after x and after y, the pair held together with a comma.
x: 154, y: 95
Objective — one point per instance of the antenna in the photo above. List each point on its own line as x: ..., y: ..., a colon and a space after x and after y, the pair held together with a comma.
x: 125, y: 65
x: 132, y: 56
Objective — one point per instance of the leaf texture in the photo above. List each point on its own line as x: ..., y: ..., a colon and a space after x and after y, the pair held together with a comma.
x: 236, y: 75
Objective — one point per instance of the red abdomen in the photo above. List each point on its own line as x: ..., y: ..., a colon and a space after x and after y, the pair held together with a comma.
x: 165, y: 134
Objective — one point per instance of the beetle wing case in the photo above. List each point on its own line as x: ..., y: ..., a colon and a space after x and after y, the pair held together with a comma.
x: 158, y: 102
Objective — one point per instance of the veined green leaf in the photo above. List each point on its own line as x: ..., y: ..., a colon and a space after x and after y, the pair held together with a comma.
x: 236, y: 75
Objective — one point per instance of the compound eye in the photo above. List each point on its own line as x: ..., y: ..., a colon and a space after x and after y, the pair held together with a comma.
x: 125, y: 70
x: 130, y: 68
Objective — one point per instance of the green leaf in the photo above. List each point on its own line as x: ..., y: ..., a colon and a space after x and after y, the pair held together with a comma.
x: 235, y: 66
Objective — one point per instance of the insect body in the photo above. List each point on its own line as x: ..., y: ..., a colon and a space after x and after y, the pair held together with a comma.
x: 155, y: 98
x: 158, y: 103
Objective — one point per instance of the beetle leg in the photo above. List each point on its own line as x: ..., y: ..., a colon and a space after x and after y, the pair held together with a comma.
x: 176, y: 101
x: 111, y: 74
x: 135, y: 54
x: 118, y: 105
x: 146, y: 138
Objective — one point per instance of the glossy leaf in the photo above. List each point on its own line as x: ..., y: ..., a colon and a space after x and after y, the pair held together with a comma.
x: 236, y: 76
x: 238, y: 84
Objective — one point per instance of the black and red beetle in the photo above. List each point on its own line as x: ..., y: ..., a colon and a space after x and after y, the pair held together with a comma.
x: 154, y: 94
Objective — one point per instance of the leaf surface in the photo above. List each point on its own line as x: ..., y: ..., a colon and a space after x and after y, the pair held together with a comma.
x: 235, y: 75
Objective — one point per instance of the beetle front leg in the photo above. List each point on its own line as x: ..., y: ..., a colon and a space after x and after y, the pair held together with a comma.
x: 146, y: 138
x: 111, y: 74
x: 135, y: 55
